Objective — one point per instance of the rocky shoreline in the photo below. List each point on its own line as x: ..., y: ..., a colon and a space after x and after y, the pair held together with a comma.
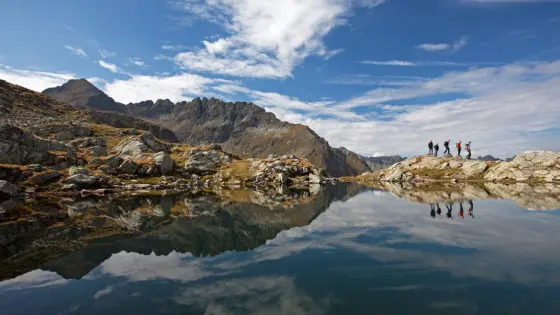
x: 529, y: 167
x: 138, y: 162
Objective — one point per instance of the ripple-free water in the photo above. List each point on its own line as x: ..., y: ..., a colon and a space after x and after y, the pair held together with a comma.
x: 370, y: 254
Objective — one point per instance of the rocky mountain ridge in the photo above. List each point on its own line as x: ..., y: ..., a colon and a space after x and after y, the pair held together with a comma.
x: 241, y: 128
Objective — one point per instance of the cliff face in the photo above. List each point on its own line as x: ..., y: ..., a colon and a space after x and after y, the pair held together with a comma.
x: 241, y: 128
x: 531, y: 166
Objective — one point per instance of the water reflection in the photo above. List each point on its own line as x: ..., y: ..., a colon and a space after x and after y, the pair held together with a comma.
x: 368, y: 252
x: 449, y: 207
x: 73, y: 236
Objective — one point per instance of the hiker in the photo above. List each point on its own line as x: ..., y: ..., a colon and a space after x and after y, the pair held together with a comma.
x: 430, y: 147
x: 470, y: 211
x: 446, y: 145
x: 468, y: 149
x: 459, y: 148
x: 432, y: 210
x: 461, y: 210
x: 438, y: 209
x: 436, y: 149
x: 449, y: 207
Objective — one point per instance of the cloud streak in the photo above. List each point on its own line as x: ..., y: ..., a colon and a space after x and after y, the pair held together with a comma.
x: 76, y: 51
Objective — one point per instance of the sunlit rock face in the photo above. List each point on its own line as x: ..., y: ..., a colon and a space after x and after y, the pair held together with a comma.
x: 531, y: 166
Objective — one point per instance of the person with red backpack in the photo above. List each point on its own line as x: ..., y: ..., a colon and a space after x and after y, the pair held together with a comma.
x: 459, y: 148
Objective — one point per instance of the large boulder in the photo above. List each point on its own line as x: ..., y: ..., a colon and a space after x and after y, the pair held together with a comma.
x: 164, y: 163
x: 144, y: 143
x: 538, y: 166
x: 202, y: 162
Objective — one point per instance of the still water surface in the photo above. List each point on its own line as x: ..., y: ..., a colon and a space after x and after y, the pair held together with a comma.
x: 347, y: 250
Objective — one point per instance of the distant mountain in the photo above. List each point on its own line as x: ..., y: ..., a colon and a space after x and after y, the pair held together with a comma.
x: 382, y: 162
x: 241, y: 128
x: 104, y: 109
x: 248, y: 130
x: 488, y: 158
x: 82, y: 93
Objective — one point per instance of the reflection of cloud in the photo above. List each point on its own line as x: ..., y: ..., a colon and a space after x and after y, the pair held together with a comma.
x: 103, y: 292
x: 33, y: 279
x: 504, y: 242
x: 260, y: 295
x: 138, y: 267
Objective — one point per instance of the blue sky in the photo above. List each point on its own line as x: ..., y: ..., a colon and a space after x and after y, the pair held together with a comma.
x: 379, y: 77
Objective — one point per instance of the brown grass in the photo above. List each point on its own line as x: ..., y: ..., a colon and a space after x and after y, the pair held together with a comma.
x: 239, y: 169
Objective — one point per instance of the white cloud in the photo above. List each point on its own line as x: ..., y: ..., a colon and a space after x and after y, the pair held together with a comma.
x: 109, y: 66
x: 104, y: 53
x: 142, y: 87
x: 77, y: 51
x: 455, y: 46
x: 34, y: 80
x: 137, y: 62
x: 433, y: 47
x: 268, y: 38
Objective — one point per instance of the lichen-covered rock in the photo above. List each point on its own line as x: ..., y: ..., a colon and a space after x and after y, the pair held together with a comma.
x: 164, y: 162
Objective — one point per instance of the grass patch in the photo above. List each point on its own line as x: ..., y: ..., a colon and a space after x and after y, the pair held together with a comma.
x: 237, y: 169
x: 436, y: 173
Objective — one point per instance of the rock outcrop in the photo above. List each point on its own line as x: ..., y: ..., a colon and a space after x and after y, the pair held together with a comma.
x: 20, y: 147
x: 532, y: 166
x: 540, y: 166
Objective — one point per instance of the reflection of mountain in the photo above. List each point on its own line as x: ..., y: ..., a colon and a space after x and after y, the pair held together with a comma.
x: 530, y: 197
x: 214, y: 225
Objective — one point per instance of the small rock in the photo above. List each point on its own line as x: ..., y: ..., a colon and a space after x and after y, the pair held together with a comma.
x: 8, y: 189
x: 35, y: 167
x: 45, y: 177
x: 75, y: 170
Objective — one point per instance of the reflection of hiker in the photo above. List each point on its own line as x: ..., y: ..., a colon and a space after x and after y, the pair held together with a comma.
x: 470, y: 211
x: 432, y: 211
x: 468, y: 149
x: 430, y: 147
x: 449, y: 207
x: 459, y: 148
x: 446, y: 145
x: 461, y: 210
x: 436, y: 149
x: 438, y: 209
